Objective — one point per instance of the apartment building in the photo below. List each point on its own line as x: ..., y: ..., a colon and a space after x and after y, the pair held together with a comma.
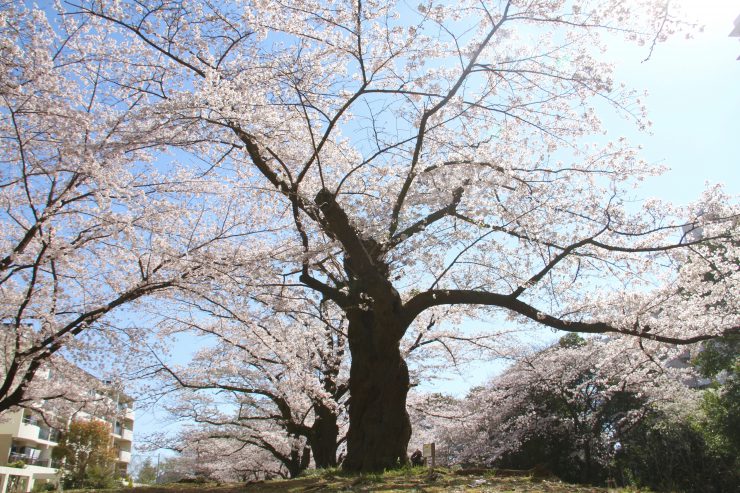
x: 27, y: 438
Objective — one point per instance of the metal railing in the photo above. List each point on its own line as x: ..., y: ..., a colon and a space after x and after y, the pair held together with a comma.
x: 30, y: 461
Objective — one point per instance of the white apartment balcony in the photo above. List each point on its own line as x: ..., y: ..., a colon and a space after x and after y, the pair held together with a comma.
x: 29, y: 428
x: 28, y: 432
x: 25, y: 474
x: 124, y: 456
x: 127, y: 435
x: 129, y: 414
x: 48, y: 436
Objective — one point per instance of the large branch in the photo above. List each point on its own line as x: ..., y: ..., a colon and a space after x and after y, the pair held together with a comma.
x: 16, y: 397
x: 326, y: 291
x: 428, y: 299
x: 682, y: 243
x: 552, y: 264
x: 298, y: 205
x: 338, y: 226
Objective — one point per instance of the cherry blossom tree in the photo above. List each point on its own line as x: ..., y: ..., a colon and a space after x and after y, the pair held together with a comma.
x: 91, y: 223
x: 237, y: 460
x: 569, y: 407
x: 276, y: 452
x: 60, y: 391
x: 449, y: 155
x: 445, y: 420
x: 272, y: 380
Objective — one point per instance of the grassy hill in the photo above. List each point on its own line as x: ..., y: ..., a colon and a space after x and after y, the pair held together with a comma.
x: 406, y: 480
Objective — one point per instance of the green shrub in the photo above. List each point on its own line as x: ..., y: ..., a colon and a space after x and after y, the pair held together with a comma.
x: 667, y: 455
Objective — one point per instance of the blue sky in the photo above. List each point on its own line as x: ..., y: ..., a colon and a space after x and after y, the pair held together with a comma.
x: 694, y: 104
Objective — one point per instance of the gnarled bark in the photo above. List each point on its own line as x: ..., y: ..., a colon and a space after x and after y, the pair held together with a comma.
x: 379, y: 426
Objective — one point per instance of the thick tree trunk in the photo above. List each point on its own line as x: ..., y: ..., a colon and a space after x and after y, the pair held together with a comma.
x: 298, y: 462
x: 379, y: 426
x: 324, y: 436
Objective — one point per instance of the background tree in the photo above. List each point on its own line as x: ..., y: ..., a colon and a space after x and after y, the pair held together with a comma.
x: 89, y: 458
x: 588, y: 411
x: 250, y: 453
x: 568, y: 408
x: 451, y: 158
x: 576, y: 404
x: 147, y: 472
x: 173, y: 469
x: 270, y: 379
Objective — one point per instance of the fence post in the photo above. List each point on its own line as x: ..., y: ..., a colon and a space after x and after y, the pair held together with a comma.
x: 429, y: 454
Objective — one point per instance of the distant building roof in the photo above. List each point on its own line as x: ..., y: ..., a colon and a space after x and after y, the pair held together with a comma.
x: 736, y: 31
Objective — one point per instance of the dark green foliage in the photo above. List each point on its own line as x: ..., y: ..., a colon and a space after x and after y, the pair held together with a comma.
x: 699, y: 454
x: 666, y: 455
x: 721, y: 423
x: 719, y: 355
x: 40, y: 487
x: 720, y: 361
x: 572, y: 339
x: 99, y: 476
x: 579, y: 442
x: 147, y: 473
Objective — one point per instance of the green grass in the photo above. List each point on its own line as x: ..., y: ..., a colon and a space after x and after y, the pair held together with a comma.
x: 406, y: 480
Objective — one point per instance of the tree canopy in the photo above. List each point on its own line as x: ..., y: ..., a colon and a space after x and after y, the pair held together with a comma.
x: 392, y: 161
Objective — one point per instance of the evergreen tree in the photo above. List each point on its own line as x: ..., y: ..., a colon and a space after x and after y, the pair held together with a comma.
x: 147, y: 473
